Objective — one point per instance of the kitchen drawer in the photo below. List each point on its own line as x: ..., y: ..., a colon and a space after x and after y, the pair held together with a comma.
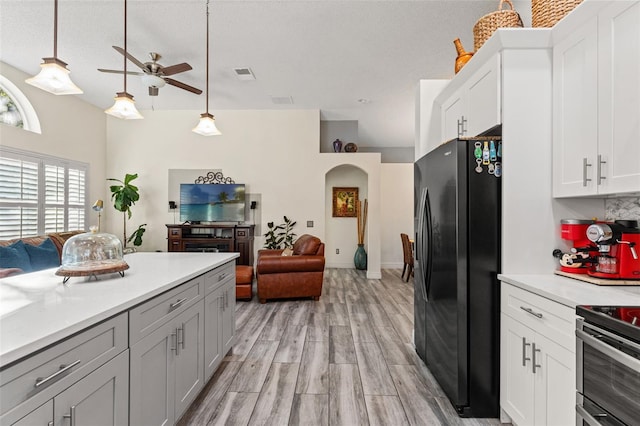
x: 41, y: 376
x: 551, y: 319
x: 145, y: 318
x: 214, y: 279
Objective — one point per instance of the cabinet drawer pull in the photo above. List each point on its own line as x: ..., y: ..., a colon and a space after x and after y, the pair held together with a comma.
x: 177, y: 304
x: 600, y: 163
x: 222, y: 276
x: 533, y: 355
x: 585, y: 165
x: 63, y: 368
x: 525, y: 358
x: 531, y: 311
x: 71, y: 416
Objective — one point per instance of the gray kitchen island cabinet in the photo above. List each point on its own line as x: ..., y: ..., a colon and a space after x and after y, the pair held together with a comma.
x: 115, y: 351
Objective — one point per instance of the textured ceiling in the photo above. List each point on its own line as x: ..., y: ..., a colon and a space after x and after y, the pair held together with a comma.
x: 324, y: 54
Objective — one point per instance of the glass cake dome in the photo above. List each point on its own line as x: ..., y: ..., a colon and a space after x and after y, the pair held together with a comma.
x: 91, y: 254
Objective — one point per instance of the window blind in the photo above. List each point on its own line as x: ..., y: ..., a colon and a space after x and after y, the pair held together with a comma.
x: 40, y: 194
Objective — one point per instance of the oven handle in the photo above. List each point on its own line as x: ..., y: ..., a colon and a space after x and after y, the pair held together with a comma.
x: 588, y: 418
x: 621, y: 357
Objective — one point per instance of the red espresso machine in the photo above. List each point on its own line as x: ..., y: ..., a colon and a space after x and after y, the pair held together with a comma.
x: 582, y: 251
x: 618, y: 248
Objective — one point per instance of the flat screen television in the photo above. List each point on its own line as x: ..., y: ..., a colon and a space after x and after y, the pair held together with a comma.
x: 212, y: 202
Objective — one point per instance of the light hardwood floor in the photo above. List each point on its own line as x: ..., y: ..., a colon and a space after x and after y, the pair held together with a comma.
x: 344, y: 360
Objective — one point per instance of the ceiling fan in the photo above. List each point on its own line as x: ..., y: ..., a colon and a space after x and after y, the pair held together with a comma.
x: 154, y: 75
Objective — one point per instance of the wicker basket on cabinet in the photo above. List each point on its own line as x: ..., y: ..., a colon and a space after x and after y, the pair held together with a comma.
x: 545, y: 13
x: 489, y: 23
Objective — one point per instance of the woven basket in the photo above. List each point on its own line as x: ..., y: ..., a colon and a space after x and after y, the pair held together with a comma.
x: 490, y: 22
x: 545, y: 13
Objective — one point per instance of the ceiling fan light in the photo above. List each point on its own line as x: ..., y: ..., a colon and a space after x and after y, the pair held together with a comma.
x: 124, y: 107
x: 151, y: 80
x: 207, y: 125
x: 54, y: 78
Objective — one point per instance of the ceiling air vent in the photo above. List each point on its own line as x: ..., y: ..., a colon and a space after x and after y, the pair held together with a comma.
x: 244, y: 74
x: 282, y: 100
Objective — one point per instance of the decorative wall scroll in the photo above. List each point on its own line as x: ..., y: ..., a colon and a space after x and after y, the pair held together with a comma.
x: 214, y: 177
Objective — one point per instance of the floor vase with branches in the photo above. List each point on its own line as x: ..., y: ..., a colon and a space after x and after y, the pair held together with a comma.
x: 360, y: 258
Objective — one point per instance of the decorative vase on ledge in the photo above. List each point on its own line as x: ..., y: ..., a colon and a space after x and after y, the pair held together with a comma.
x: 337, y: 145
x: 360, y: 258
x: 463, y: 56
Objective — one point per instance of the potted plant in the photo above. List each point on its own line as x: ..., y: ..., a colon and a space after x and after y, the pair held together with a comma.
x: 280, y: 236
x: 124, y: 196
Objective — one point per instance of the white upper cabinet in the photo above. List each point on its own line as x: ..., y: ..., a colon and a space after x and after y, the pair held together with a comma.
x: 596, y: 105
x: 619, y: 97
x: 475, y: 107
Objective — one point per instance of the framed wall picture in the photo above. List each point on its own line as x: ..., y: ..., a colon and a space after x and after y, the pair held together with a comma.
x: 344, y: 202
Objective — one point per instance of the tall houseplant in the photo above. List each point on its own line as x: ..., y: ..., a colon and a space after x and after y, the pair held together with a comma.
x: 124, y: 196
x: 280, y: 236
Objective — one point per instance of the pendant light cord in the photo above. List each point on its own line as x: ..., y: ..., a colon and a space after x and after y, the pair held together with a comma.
x: 207, y: 56
x: 55, y: 29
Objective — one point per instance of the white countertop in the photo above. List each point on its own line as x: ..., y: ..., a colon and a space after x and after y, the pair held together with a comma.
x: 572, y: 292
x: 37, y: 309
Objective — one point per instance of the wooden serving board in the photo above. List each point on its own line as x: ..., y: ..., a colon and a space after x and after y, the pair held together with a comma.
x: 595, y: 280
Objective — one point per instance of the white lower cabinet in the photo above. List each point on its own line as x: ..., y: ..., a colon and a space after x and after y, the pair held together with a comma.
x: 540, y: 395
x: 99, y: 399
x: 167, y: 369
x: 537, y: 374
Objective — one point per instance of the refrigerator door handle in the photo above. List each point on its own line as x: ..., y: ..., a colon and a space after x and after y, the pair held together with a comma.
x: 420, y: 242
x: 427, y: 250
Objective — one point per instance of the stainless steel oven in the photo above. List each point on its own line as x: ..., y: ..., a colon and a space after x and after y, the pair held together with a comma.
x: 608, y: 367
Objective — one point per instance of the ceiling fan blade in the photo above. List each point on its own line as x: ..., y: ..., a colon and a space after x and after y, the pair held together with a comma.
x: 183, y: 86
x: 120, y: 72
x: 131, y: 58
x: 175, y: 69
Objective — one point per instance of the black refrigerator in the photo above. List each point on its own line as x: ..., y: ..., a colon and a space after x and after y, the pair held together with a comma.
x: 457, y: 259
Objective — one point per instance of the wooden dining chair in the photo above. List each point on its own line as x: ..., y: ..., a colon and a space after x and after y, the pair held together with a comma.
x: 408, y: 256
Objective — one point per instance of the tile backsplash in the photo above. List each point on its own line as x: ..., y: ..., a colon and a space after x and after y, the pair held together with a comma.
x: 622, y: 208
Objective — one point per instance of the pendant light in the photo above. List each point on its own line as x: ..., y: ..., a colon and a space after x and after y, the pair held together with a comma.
x: 207, y: 124
x: 54, y: 75
x: 125, y: 106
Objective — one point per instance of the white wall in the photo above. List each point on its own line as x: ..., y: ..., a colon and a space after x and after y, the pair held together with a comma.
x: 71, y: 129
x: 396, y: 196
x: 275, y: 153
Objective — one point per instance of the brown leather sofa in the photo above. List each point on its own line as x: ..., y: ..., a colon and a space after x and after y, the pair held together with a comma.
x: 297, y: 275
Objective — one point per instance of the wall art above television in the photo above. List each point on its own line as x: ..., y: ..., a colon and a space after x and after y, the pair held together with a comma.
x: 212, y: 202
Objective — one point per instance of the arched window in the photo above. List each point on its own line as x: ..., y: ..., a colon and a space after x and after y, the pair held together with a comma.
x: 15, y: 108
